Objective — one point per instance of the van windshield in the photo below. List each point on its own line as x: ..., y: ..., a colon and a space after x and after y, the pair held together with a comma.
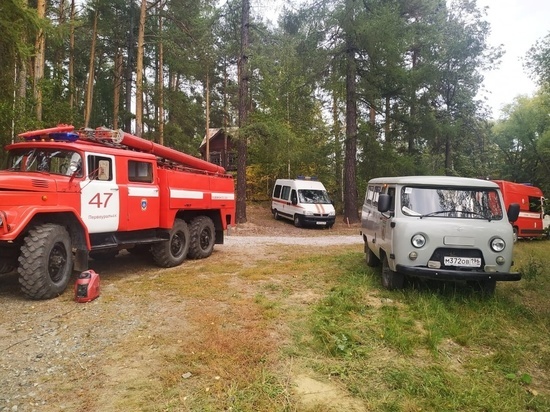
x: 313, y: 196
x: 468, y: 203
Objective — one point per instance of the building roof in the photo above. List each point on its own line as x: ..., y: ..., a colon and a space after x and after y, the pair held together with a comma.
x: 212, y: 133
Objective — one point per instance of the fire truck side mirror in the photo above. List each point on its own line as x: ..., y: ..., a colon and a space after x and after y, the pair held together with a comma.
x: 513, y: 212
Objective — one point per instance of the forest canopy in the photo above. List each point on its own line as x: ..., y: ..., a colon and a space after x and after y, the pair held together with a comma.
x: 345, y: 90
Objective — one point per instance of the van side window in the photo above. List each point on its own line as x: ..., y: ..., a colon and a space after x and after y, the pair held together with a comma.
x: 375, y: 193
x: 286, y: 192
x: 277, y: 191
x: 294, y: 197
x: 391, y: 193
x: 372, y: 195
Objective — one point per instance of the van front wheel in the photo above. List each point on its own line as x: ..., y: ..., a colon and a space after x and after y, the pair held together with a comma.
x: 297, y: 221
x: 372, y: 259
x: 391, y: 280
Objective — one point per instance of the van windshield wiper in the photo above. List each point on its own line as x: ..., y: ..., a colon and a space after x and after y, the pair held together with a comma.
x: 470, y: 212
x: 439, y: 212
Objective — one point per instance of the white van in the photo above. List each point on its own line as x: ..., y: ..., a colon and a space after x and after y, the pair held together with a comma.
x: 438, y: 227
x: 304, y: 201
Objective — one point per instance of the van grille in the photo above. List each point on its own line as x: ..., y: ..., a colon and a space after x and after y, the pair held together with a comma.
x: 440, y: 253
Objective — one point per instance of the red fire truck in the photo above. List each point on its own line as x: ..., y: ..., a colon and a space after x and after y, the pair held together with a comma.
x: 531, y: 200
x: 68, y: 195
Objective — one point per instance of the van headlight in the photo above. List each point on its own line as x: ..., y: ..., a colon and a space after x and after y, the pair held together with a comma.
x: 418, y: 240
x: 498, y: 244
x: 308, y: 213
x: 332, y: 213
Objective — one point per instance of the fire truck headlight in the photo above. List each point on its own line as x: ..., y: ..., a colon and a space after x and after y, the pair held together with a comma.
x: 497, y: 244
x: 418, y: 240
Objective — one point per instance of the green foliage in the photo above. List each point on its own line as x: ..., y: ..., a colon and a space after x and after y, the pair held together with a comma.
x: 418, y: 66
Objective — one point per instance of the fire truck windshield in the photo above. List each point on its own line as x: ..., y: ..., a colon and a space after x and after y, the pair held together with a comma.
x: 54, y: 161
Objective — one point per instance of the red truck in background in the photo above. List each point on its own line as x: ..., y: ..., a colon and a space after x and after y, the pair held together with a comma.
x: 530, y: 223
x: 67, y: 195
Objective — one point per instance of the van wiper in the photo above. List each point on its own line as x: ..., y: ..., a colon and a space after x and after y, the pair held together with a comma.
x: 439, y: 212
x: 471, y: 212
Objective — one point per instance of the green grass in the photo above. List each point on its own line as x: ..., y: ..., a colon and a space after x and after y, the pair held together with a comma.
x: 430, y: 347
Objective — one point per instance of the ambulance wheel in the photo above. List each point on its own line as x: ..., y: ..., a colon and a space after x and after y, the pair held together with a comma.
x: 371, y: 258
x: 46, y: 262
x: 391, y: 280
x: 297, y: 221
x: 276, y: 214
x: 174, y: 251
x: 203, y: 237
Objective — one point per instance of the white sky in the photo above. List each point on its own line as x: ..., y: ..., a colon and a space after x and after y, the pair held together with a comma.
x: 517, y: 24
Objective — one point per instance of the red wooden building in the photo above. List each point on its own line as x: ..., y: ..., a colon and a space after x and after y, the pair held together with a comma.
x: 221, y: 148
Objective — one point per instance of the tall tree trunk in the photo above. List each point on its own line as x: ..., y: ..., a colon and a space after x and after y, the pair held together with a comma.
x: 91, y: 71
x: 207, y: 103
x: 160, y: 80
x: 117, y: 86
x: 243, y: 114
x: 128, y: 75
x: 350, y: 183
x: 40, y: 46
x: 71, y: 60
x: 337, y: 130
x: 139, y: 69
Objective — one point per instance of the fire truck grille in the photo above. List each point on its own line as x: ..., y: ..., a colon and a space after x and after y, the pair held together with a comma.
x: 40, y: 183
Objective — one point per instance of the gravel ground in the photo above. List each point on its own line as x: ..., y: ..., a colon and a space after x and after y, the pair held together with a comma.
x: 48, y: 348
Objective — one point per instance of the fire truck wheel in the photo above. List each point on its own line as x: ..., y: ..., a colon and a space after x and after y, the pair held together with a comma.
x: 203, y: 237
x: 174, y: 251
x: 46, y: 262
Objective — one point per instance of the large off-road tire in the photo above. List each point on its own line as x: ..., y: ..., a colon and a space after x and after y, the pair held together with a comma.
x: 371, y: 258
x: 391, y: 280
x: 174, y: 251
x: 203, y: 237
x: 45, y: 262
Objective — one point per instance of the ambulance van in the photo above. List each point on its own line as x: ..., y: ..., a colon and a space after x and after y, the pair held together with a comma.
x: 303, y: 201
x: 438, y: 227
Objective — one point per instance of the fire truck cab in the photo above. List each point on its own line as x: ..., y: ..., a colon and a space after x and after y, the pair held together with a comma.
x: 530, y: 223
x: 68, y: 195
